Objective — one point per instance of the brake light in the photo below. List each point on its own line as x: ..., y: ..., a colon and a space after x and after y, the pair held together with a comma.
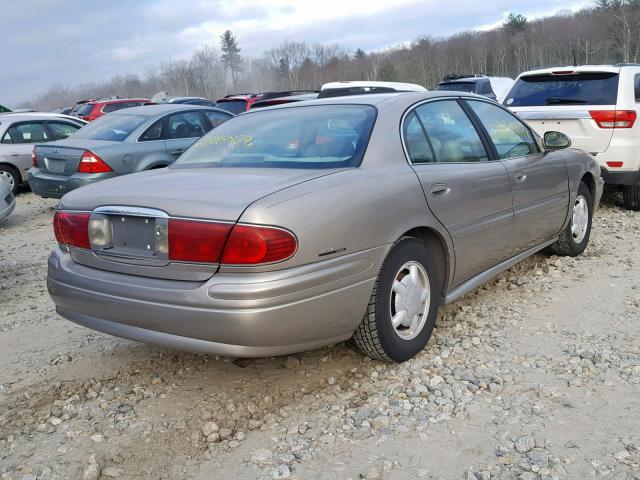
x: 214, y: 242
x: 615, y: 164
x: 614, y: 118
x: 251, y: 245
x: 34, y: 162
x: 563, y: 72
x: 72, y: 228
x: 193, y: 241
x: 92, y: 163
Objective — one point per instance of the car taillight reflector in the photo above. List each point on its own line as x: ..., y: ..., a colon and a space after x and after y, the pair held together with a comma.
x: 614, y: 118
x: 615, y: 164
x: 72, y: 228
x: 193, y: 241
x: 251, y: 245
x: 92, y: 163
x: 34, y: 162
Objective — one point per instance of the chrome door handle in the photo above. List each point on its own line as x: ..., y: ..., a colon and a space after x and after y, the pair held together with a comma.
x: 520, y: 177
x: 440, y: 190
x: 179, y: 151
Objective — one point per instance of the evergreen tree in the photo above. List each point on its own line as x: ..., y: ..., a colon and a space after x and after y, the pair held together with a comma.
x: 360, y: 54
x: 231, y: 54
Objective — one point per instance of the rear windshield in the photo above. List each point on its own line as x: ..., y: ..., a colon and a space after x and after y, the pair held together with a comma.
x: 115, y: 127
x: 469, y: 87
x: 590, y: 88
x: 83, y: 109
x: 314, y: 137
x: 233, y: 106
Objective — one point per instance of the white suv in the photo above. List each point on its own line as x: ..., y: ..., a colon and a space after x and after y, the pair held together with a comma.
x: 597, y: 107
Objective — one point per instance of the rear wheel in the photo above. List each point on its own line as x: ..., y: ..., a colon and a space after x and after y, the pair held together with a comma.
x: 402, y: 309
x: 575, y: 237
x: 631, y: 195
x: 12, y: 175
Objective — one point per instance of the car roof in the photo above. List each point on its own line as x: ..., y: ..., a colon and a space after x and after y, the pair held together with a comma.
x: 38, y: 116
x: 412, y: 87
x: 161, y: 108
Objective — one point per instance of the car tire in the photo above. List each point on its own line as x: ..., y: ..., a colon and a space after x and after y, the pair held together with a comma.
x: 410, y: 264
x: 575, y: 237
x: 12, y: 175
x: 631, y: 196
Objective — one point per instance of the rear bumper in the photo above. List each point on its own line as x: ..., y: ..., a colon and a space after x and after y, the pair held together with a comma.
x: 620, y: 178
x: 50, y: 185
x: 234, y: 314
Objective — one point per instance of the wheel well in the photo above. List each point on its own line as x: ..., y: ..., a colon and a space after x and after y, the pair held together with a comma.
x: 12, y: 167
x: 437, y: 247
x: 590, y: 182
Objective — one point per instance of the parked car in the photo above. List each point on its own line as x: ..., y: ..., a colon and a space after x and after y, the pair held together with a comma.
x: 205, y: 102
x: 19, y: 132
x: 281, y: 100
x: 495, y: 88
x: 302, y: 225
x: 93, y: 109
x: 7, y: 199
x: 131, y: 140
x: 597, y: 107
x: 340, y: 89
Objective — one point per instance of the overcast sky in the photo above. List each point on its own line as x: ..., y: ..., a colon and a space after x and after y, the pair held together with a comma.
x: 77, y: 41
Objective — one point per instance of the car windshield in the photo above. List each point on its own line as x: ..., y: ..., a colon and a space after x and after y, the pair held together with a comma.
x: 233, y: 106
x: 327, y: 136
x: 589, y: 88
x: 111, y: 127
x: 83, y: 109
x: 469, y: 87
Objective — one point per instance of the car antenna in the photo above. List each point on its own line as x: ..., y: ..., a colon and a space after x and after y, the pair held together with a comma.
x: 575, y: 62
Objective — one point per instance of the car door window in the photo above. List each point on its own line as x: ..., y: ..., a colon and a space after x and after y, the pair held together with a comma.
x: 416, y: 141
x: 216, y: 118
x: 154, y: 132
x: 452, y: 135
x: 185, y: 125
x: 509, y: 135
x: 61, y: 130
x: 26, y: 133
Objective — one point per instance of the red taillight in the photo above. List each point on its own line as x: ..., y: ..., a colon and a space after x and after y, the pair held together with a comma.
x: 192, y: 241
x: 71, y: 228
x: 92, y: 163
x: 251, y: 245
x: 34, y: 162
x: 615, y: 164
x: 614, y: 118
x: 563, y: 72
x: 213, y: 242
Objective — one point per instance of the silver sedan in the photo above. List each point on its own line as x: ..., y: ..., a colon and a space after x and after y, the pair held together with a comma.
x: 294, y: 227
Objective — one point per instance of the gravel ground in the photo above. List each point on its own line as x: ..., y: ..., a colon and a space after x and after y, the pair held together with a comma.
x: 536, y: 375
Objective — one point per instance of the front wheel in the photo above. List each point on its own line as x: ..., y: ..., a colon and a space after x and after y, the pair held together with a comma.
x: 575, y: 237
x: 402, y: 309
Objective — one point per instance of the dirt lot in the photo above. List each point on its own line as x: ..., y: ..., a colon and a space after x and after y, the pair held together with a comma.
x: 535, y: 375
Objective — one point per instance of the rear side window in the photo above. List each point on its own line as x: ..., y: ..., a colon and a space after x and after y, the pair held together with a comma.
x: 60, y: 130
x: 186, y: 125
x: 589, y: 88
x: 26, y: 133
x: 508, y: 134
x: 313, y: 137
x: 637, y: 88
x: 154, y: 132
x: 416, y: 141
x: 452, y: 135
x: 216, y: 118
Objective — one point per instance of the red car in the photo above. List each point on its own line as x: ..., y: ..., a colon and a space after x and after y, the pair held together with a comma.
x: 90, y: 110
x: 239, y: 102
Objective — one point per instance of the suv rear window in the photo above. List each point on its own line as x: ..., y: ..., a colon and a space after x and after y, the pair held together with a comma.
x: 590, y: 88
x: 314, y: 137
x: 469, y: 87
x: 233, y: 106
x: 84, y: 109
x: 346, y: 91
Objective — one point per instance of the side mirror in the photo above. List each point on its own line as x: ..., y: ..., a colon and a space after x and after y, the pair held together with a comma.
x: 556, y: 141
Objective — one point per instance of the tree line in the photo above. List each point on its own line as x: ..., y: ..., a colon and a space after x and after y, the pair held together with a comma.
x: 607, y: 32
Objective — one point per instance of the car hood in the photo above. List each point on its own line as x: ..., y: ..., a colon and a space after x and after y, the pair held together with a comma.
x: 208, y: 193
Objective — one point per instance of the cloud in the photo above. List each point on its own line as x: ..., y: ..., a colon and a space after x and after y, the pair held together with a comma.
x: 76, y: 41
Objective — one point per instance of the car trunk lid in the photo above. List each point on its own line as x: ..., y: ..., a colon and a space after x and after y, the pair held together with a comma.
x: 137, y: 212
x: 63, y: 157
